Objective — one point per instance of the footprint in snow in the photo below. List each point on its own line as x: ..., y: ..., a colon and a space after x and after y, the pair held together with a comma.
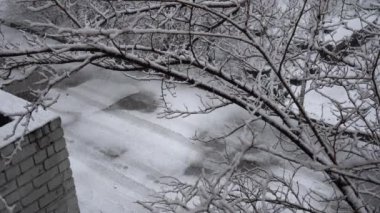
x: 113, y: 152
x: 141, y: 101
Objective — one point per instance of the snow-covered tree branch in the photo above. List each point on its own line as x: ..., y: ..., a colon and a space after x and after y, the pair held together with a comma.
x: 307, y: 69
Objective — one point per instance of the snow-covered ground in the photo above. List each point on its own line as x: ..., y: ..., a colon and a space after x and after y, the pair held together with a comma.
x: 118, y: 155
x: 119, y: 152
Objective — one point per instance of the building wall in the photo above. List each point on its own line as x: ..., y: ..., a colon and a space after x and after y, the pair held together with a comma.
x: 38, y: 177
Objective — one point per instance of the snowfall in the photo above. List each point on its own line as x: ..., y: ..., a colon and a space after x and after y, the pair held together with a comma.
x: 120, y: 148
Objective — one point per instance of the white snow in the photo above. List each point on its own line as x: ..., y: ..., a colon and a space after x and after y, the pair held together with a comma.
x: 11, y: 105
x: 118, y: 156
x: 344, y: 29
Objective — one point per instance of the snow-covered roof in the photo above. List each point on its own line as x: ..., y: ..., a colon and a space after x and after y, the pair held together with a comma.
x: 11, y: 105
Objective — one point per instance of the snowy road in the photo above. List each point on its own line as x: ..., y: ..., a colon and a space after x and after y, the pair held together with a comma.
x: 117, y: 155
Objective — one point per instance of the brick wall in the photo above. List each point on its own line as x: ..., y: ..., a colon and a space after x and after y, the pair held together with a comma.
x: 38, y: 178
